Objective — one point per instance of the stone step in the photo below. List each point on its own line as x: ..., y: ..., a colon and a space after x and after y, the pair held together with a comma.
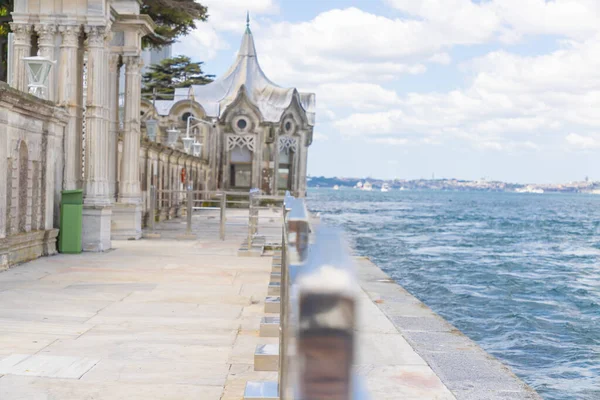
x: 273, y: 305
x: 276, y: 268
x: 265, y: 390
x: 266, y: 357
x: 269, y: 326
x: 255, y: 251
x: 274, y: 289
x: 276, y: 277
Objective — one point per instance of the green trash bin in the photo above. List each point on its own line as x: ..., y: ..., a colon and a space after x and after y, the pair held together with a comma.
x: 71, y: 214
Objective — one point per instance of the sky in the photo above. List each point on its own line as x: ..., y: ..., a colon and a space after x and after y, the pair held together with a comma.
x: 496, y: 89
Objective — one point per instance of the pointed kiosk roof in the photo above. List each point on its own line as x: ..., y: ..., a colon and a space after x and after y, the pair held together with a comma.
x: 245, y: 74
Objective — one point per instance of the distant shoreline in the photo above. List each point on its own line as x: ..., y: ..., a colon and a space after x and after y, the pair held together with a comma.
x: 455, y: 185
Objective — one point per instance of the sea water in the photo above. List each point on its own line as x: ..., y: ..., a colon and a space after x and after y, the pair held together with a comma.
x: 517, y: 273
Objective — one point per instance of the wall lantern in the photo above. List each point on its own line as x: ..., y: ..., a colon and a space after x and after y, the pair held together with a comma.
x: 187, y: 144
x: 197, y: 149
x: 172, y: 136
x: 38, y: 71
x: 151, y: 129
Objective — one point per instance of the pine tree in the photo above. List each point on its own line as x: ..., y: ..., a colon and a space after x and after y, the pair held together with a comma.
x: 172, y: 73
x: 174, y: 18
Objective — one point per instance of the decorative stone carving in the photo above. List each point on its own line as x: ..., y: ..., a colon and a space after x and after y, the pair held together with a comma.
x: 22, y: 33
x: 70, y: 35
x: 248, y: 141
x: 46, y: 34
x: 287, y: 143
x: 96, y: 35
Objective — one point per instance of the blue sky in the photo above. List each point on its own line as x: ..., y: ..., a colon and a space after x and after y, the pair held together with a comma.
x: 496, y: 89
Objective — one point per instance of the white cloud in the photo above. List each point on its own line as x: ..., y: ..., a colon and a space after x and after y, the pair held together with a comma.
x: 204, y: 40
x: 355, y: 95
x: 352, y: 44
x: 319, y: 137
x: 581, y: 142
x: 507, y: 20
x: 512, y: 103
x: 440, y: 58
x: 391, y: 141
x: 223, y: 16
x: 230, y: 15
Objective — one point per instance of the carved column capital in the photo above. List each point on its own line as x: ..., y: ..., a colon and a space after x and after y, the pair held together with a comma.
x: 46, y: 34
x: 96, y: 35
x: 70, y: 35
x: 21, y: 32
x: 133, y: 64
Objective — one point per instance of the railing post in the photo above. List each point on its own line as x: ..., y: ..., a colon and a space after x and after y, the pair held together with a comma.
x: 250, y: 219
x: 222, y: 220
x: 189, y: 209
x: 293, y: 254
x: 326, y: 320
x: 152, y: 207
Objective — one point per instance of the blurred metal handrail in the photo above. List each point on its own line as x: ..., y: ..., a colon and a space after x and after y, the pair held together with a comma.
x: 318, y: 311
x: 188, y: 199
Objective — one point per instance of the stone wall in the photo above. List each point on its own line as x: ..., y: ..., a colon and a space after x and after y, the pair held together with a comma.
x: 31, y: 175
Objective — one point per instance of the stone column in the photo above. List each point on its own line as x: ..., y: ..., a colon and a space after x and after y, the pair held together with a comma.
x: 129, y: 187
x: 113, y: 81
x: 276, y: 162
x: 47, y: 48
x: 303, y: 146
x: 127, y: 221
x: 69, y: 71
x: 21, y: 48
x: 97, y: 210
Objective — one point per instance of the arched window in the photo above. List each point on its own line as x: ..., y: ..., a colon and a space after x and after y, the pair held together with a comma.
x: 23, y: 183
x: 287, y: 151
x: 241, y: 167
x: 286, y: 161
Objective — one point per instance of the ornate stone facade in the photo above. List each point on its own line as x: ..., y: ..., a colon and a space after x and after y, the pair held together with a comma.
x: 78, y: 37
x: 31, y: 148
x: 254, y: 134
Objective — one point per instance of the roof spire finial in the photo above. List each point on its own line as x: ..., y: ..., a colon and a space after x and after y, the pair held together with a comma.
x: 247, y: 20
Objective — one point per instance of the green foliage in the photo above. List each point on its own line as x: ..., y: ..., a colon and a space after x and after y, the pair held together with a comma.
x: 6, y: 6
x: 172, y: 73
x: 174, y: 18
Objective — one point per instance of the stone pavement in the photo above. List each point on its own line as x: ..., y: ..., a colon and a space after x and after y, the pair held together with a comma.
x: 166, y: 319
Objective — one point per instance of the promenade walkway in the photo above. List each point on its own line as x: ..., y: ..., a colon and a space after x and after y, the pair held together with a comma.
x: 167, y: 319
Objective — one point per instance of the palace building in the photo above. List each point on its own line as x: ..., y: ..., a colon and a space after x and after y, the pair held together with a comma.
x: 82, y: 126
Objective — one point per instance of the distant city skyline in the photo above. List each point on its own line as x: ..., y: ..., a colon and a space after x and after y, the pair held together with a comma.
x: 585, y: 179
x: 507, y: 89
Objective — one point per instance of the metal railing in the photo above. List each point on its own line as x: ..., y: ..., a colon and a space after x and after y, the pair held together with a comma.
x: 196, y: 200
x: 318, y: 307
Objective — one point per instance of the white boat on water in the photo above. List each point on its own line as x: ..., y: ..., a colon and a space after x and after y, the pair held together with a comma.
x: 403, y: 188
x: 367, y: 187
x: 529, y: 189
x: 336, y: 187
x: 359, y: 185
x: 385, y: 187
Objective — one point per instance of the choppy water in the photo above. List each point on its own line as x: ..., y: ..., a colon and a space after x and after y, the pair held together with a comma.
x: 518, y: 273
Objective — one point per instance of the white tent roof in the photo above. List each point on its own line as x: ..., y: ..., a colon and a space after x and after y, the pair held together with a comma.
x: 271, y: 99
